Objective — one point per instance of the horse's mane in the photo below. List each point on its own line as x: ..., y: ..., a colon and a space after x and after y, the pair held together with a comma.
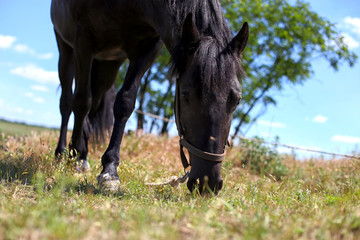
x: 213, y: 52
x: 208, y: 17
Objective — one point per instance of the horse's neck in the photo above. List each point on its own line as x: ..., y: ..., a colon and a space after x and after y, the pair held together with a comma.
x: 164, y: 24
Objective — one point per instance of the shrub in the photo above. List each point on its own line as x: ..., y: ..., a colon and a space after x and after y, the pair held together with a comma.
x: 261, y: 159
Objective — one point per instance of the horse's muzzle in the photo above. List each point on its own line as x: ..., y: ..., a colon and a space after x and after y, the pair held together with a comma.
x: 205, y: 176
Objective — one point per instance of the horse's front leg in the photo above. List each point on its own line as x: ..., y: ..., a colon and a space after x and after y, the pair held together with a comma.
x: 123, y: 107
x: 82, y: 95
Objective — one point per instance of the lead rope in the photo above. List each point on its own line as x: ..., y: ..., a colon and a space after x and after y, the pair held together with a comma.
x: 172, y: 181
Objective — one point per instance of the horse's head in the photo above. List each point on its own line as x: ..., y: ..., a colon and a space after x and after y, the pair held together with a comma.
x: 208, y: 92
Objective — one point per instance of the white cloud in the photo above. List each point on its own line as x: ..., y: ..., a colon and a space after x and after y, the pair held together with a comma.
x: 13, y: 109
x: 22, y: 111
x: 320, y: 119
x: 45, y: 56
x: 39, y: 88
x: 36, y: 74
x: 350, y: 41
x: 38, y: 100
x: 271, y: 124
x: 6, y: 41
x: 353, y: 23
x: 351, y: 27
x: 29, y: 94
x: 22, y: 48
x: 33, y: 97
x: 6, y: 64
x: 28, y: 112
x: 345, y: 139
x: 18, y: 110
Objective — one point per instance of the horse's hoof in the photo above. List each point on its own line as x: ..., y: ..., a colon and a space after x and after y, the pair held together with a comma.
x: 108, y: 183
x: 83, y: 166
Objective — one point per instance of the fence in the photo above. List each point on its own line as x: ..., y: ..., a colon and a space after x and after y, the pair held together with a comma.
x: 265, y: 142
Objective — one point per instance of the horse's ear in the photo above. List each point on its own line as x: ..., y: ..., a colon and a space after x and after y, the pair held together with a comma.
x: 190, y: 34
x: 240, y: 40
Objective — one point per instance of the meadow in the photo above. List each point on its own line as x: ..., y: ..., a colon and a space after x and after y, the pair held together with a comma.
x: 265, y: 195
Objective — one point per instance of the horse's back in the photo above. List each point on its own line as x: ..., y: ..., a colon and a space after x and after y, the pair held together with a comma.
x: 115, y: 27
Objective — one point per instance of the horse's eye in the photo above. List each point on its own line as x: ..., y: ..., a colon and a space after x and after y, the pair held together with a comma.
x: 233, y: 101
x: 185, y: 96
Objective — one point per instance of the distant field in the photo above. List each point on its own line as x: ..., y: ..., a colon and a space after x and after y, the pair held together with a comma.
x: 265, y: 195
x: 19, y: 129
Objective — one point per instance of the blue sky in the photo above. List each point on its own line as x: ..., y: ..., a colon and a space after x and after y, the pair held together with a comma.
x: 322, y: 114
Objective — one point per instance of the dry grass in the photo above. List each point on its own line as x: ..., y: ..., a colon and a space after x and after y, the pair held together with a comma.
x: 42, y: 199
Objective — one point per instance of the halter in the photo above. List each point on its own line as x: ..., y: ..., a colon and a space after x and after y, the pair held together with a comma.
x: 211, y: 157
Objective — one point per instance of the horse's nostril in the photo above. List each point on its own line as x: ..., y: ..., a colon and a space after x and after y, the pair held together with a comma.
x: 213, y: 185
x: 205, y: 185
x: 219, y: 186
x: 191, y: 184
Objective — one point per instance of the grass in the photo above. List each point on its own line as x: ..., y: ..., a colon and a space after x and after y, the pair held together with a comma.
x: 42, y: 199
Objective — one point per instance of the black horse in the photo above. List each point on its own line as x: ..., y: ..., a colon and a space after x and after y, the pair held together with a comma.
x: 95, y: 37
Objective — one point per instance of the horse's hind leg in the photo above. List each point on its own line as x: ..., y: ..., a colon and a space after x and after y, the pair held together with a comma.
x: 82, y: 95
x: 103, y: 75
x: 123, y: 107
x: 66, y: 75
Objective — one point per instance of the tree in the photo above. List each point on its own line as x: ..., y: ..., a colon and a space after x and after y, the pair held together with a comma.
x: 284, y: 39
x: 156, y: 93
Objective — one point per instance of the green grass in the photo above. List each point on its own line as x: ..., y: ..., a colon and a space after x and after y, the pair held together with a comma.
x: 42, y: 199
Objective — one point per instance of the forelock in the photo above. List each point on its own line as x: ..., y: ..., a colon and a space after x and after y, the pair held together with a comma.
x: 217, y: 65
